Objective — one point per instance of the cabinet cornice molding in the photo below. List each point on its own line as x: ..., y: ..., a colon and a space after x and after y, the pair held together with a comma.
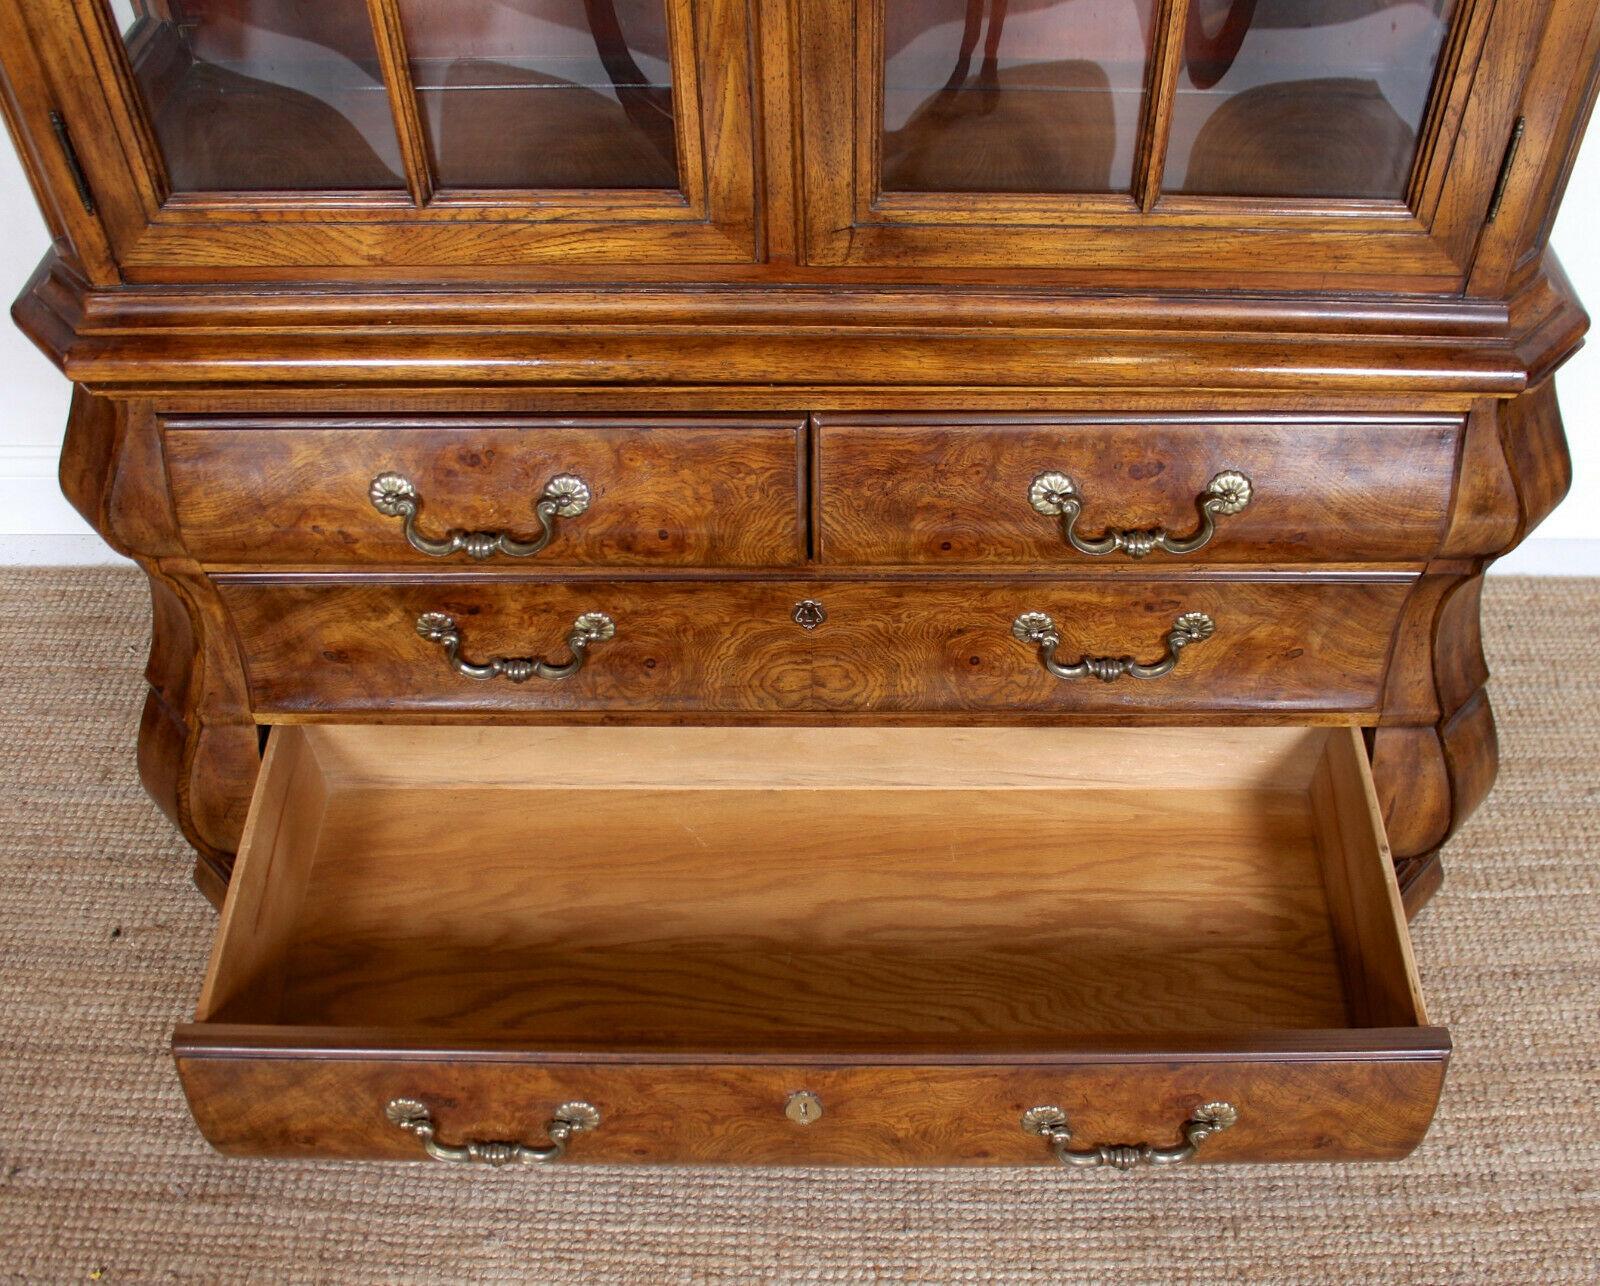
x: 141, y: 338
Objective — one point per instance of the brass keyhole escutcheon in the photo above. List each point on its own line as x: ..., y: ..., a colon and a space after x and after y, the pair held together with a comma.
x: 803, y: 1108
x: 809, y: 614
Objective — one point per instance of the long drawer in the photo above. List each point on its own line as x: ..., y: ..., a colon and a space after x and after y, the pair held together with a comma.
x: 1043, y: 493
x: 813, y: 946
x: 503, y: 492
x: 1096, y: 644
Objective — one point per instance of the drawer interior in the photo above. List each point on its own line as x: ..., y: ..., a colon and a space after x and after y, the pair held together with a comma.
x: 782, y: 890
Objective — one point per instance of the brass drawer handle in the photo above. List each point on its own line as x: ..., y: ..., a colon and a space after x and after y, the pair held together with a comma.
x: 1040, y: 630
x: 588, y: 629
x: 1055, y: 494
x: 395, y: 496
x: 1050, y: 1123
x: 570, y: 1119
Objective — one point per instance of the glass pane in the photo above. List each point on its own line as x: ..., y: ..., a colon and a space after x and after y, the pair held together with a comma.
x: 1018, y: 96
x: 254, y: 95
x: 1303, y: 97
x: 545, y: 93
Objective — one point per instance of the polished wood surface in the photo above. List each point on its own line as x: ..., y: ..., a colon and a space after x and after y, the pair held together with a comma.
x: 316, y: 1100
x: 1364, y: 174
x: 883, y: 912
x: 892, y: 886
x: 803, y: 362
x: 757, y: 180
x: 335, y: 645
x: 708, y: 217
x: 199, y: 746
x: 663, y: 494
x: 945, y: 495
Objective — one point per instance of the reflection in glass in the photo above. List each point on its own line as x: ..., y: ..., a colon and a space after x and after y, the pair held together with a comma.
x: 248, y: 95
x: 1013, y: 95
x: 1303, y: 97
x: 125, y: 13
x: 545, y: 93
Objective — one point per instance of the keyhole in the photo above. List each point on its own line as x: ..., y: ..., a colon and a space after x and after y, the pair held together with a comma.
x: 809, y: 614
x: 803, y: 1107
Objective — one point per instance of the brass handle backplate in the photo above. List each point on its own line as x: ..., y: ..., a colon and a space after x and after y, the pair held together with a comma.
x: 588, y: 629
x: 395, y: 496
x: 1040, y: 630
x: 1056, y: 495
x: 570, y: 1118
x: 1050, y: 1123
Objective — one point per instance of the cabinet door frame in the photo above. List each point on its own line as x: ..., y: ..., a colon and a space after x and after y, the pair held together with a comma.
x: 1423, y: 243
x: 160, y: 235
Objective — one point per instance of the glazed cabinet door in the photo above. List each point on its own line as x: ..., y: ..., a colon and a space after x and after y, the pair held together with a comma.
x: 271, y: 137
x: 1291, y: 142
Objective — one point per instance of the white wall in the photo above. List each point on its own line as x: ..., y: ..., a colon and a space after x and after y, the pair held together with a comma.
x: 36, y: 523
x: 38, y: 526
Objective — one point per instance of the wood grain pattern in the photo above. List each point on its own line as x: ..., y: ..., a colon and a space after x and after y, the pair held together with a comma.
x: 317, y: 1104
x: 1544, y: 47
x: 1436, y: 754
x: 864, y: 338
x: 853, y: 222
x: 664, y: 494
x: 1381, y: 981
x: 198, y: 744
x: 787, y: 920
x: 282, y: 835
x: 485, y: 880
x: 1384, y: 365
x: 711, y: 220
x: 957, y: 494
x: 318, y: 647
x: 869, y: 921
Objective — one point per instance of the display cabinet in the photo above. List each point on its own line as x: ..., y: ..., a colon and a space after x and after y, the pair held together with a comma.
x: 233, y: 137
x: 1283, y: 143
x: 810, y: 581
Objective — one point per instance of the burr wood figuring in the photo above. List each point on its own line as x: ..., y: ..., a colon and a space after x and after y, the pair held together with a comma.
x: 824, y: 582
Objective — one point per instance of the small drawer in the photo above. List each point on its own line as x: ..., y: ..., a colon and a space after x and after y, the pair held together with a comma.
x: 490, y: 493
x: 813, y: 946
x: 314, y: 645
x: 1049, y: 494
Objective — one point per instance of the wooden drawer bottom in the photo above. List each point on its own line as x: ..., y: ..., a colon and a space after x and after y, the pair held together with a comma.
x: 928, y: 932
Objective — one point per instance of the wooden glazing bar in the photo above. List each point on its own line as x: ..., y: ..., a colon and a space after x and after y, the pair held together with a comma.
x: 388, y: 35
x: 1166, y: 57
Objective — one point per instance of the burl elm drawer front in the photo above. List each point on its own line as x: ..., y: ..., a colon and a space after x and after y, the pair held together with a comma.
x: 498, y: 493
x: 254, y: 1098
x: 1109, y: 492
x: 824, y: 946
x: 1094, y: 644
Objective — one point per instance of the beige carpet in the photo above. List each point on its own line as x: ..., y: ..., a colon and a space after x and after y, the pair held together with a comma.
x: 102, y: 1177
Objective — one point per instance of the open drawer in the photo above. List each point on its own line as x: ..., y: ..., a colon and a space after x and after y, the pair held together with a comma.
x: 813, y: 946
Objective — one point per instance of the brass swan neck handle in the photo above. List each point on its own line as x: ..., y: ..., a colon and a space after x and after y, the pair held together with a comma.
x: 1040, y: 630
x: 395, y: 496
x: 1050, y: 1124
x: 587, y: 630
x: 1057, y: 495
x: 414, y: 1117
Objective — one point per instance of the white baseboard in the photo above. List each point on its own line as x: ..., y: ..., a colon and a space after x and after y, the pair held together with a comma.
x: 38, y: 528
x: 1551, y: 557
x: 64, y: 549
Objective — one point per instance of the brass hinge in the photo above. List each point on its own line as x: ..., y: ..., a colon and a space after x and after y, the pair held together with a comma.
x: 1504, y: 180
x: 69, y: 153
